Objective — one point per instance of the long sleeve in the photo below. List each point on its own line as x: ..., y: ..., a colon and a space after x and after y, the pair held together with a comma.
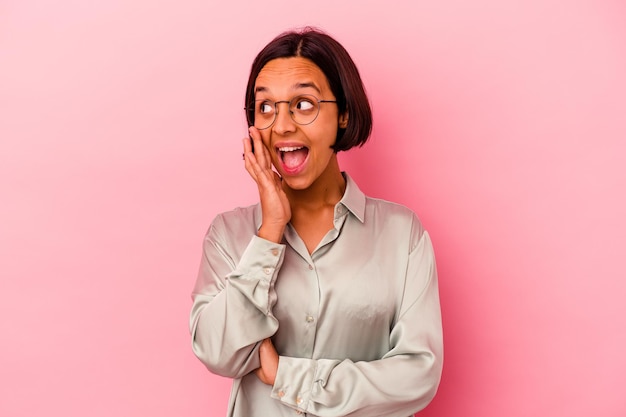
x: 402, y: 382
x: 233, y: 298
x: 356, y: 322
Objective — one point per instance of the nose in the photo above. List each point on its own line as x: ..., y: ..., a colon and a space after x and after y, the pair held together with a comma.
x: 283, y: 122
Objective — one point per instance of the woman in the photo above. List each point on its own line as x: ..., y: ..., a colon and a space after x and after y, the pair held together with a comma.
x: 317, y: 300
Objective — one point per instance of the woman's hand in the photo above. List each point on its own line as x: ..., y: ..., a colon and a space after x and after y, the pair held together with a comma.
x: 276, y: 214
x: 269, y: 362
x: 274, y: 203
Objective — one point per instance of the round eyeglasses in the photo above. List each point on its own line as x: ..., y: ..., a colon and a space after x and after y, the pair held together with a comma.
x: 303, y: 110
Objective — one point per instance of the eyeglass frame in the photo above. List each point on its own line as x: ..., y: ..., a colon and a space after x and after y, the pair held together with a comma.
x: 253, y: 109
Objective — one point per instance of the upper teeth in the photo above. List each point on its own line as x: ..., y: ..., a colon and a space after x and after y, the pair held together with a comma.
x: 290, y: 148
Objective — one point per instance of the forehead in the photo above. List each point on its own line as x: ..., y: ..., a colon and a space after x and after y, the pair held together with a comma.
x: 289, y: 74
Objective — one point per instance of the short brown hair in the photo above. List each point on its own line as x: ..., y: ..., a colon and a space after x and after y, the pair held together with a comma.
x: 340, y: 71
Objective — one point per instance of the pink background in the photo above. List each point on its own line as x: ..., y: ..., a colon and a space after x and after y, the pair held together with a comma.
x: 501, y: 123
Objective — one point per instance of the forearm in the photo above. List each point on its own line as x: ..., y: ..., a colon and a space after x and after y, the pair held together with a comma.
x: 397, y: 386
x: 401, y: 382
x: 230, y: 317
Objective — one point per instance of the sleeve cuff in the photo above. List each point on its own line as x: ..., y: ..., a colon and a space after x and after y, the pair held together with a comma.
x: 256, y: 272
x: 294, y: 382
x: 261, y: 260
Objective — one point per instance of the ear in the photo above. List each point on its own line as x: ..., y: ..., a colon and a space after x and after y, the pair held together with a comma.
x: 343, y: 120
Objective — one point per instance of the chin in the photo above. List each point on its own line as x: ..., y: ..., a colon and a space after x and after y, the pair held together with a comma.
x: 297, y: 183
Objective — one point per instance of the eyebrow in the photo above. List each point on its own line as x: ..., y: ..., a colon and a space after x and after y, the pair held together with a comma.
x: 296, y: 86
x: 307, y: 85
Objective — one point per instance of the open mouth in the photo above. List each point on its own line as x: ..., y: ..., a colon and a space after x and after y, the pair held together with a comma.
x: 293, y: 157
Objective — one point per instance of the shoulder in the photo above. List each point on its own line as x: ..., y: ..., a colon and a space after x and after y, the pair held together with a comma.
x: 383, y: 210
x: 241, y: 220
x: 394, y: 218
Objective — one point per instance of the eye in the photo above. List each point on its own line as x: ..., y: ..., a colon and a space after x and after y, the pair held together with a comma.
x: 265, y: 107
x: 304, y: 104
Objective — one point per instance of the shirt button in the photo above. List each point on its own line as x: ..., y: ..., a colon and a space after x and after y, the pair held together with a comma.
x: 310, y: 319
x: 281, y: 393
x: 299, y: 412
x: 298, y: 400
x: 339, y: 210
x: 267, y: 271
x: 311, y: 267
x: 275, y: 252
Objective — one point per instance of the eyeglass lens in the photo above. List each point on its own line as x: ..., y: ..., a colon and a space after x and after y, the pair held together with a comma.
x: 302, y: 109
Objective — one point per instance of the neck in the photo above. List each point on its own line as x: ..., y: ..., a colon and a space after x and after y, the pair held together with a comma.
x: 327, y: 190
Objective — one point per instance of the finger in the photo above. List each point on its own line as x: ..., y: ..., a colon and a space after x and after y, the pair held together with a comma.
x: 258, y: 163
x: 247, y: 146
x: 267, y: 350
x: 260, y: 150
x: 278, y: 180
x: 263, y: 177
x: 265, y: 345
x: 248, y: 158
x: 269, y: 360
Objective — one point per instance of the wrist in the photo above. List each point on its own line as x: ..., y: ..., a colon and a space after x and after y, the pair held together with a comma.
x: 272, y: 233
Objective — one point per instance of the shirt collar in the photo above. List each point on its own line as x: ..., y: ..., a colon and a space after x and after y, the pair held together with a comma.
x: 353, y: 199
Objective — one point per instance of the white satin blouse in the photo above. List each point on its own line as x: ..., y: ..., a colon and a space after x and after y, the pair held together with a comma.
x: 357, y: 323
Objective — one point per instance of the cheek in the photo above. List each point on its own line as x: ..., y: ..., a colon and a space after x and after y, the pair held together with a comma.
x: 324, y: 128
x: 330, y: 133
x: 331, y: 124
x: 265, y: 138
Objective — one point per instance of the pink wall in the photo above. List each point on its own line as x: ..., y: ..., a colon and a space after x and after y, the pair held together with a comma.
x: 502, y: 123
